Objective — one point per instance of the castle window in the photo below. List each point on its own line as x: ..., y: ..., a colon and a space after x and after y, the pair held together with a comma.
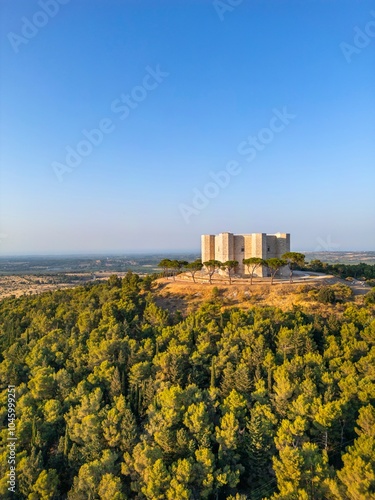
x: 242, y: 249
x: 268, y: 249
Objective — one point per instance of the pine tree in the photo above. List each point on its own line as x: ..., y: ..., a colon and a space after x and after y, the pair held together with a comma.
x: 46, y: 486
x: 358, y: 474
x: 228, y: 380
x: 116, y: 385
x: 213, y: 372
x: 260, y: 448
x: 29, y: 469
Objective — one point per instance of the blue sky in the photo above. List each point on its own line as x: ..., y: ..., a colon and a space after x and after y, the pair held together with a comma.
x: 177, y: 86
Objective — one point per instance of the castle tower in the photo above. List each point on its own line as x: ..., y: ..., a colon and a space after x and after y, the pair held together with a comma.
x: 224, y: 247
x: 207, y: 247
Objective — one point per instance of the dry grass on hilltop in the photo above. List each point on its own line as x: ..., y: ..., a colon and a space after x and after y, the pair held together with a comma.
x: 187, y: 297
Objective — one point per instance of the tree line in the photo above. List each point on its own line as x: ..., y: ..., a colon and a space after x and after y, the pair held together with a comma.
x: 360, y: 271
x: 293, y: 260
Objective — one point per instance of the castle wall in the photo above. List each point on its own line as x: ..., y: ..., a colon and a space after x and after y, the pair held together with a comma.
x: 277, y: 245
x: 283, y: 246
x: 258, y: 249
x: 239, y: 252
x: 271, y: 242
x: 283, y: 243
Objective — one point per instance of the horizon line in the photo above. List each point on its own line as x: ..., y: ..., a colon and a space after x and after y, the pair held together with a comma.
x: 147, y: 253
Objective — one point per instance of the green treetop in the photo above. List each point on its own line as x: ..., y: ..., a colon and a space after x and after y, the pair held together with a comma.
x: 294, y: 259
x: 252, y: 263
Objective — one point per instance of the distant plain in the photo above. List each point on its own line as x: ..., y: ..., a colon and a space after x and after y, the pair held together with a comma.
x: 26, y: 275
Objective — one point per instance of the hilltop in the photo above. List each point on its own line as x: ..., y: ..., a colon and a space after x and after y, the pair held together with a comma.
x: 185, y: 296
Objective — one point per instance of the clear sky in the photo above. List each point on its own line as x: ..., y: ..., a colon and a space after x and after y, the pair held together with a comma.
x: 280, y: 94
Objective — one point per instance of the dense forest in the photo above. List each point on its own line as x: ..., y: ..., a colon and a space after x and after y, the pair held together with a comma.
x: 117, y: 398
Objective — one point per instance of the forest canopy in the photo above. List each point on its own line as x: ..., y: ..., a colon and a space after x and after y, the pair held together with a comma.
x: 119, y: 399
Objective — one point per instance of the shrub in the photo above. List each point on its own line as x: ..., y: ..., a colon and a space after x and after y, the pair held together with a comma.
x: 246, y: 295
x: 370, y: 297
x: 304, y: 289
x: 342, y: 292
x: 326, y: 295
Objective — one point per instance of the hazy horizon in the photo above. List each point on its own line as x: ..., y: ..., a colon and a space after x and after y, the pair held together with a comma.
x: 152, y: 252
x: 140, y: 124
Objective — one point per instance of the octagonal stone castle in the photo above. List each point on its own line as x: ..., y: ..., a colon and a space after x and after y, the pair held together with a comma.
x: 229, y: 246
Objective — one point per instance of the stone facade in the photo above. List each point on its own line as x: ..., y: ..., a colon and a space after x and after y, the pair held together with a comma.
x: 229, y: 246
